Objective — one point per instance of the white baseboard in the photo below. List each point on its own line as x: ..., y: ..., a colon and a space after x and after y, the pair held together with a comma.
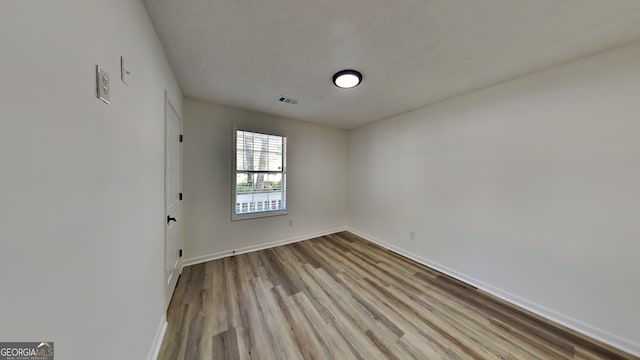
x: 606, y: 337
x: 157, y: 339
x: 226, y: 253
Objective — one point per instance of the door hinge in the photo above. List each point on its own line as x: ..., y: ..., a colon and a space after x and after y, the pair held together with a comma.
x: 180, y: 253
x: 180, y: 196
x: 181, y: 138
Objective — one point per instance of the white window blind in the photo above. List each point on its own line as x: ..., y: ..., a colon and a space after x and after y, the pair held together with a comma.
x: 260, y: 174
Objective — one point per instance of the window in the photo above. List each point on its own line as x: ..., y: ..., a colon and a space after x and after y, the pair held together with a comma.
x: 259, y: 174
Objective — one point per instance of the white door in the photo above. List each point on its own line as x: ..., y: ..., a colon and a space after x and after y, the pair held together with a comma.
x: 173, y: 198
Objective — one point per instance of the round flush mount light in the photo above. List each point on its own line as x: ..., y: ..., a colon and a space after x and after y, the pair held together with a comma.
x: 347, y: 79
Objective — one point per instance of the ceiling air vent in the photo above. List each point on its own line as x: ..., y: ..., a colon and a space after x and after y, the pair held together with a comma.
x: 287, y: 100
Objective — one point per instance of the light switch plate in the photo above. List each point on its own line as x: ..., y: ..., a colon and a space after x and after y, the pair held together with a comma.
x: 103, y: 84
x: 124, y: 73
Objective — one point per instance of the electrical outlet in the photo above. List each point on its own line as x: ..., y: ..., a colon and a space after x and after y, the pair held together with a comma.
x: 103, y: 85
x: 412, y: 235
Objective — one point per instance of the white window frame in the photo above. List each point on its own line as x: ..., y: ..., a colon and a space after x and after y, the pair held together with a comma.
x: 234, y: 172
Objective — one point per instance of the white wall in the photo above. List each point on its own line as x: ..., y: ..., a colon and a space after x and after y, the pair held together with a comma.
x: 316, y: 181
x: 530, y: 189
x: 82, y: 184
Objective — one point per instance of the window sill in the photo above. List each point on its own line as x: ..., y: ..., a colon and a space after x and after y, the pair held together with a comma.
x: 258, y: 215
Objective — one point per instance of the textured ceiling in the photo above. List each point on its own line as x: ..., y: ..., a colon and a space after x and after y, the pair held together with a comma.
x: 247, y: 53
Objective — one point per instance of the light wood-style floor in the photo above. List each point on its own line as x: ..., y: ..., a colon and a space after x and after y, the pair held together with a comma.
x: 341, y: 297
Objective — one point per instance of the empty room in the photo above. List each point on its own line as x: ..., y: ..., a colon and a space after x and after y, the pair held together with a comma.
x: 215, y: 179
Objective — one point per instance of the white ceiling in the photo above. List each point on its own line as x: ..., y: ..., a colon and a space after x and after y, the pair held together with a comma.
x: 246, y: 53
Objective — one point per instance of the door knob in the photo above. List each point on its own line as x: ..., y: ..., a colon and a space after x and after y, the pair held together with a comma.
x: 170, y: 219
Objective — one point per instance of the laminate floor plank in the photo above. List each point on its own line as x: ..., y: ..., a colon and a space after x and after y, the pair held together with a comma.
x: 310, y: 344
x: 407, y: 322
x: 225, y: 345
x: 341, y: 297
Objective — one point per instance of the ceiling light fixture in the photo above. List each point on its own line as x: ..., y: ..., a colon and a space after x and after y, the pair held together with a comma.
x: 347, y: 79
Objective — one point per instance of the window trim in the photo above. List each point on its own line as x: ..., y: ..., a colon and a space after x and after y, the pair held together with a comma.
x: 234, y: 172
